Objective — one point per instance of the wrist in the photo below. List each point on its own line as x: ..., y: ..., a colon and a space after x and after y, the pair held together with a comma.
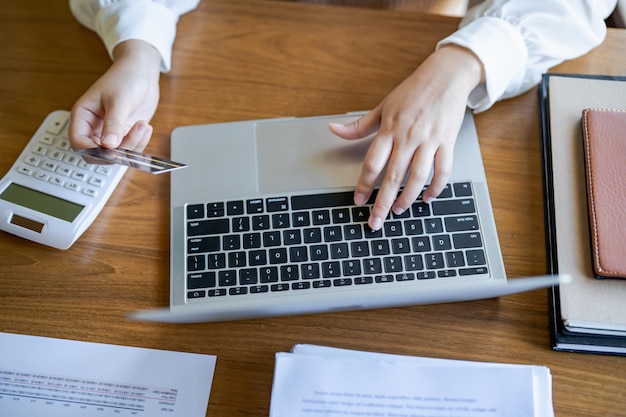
x: 467, y: 69
x: 139, y: 53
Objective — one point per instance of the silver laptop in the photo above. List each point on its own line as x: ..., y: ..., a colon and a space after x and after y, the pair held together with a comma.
x: 263, y: 224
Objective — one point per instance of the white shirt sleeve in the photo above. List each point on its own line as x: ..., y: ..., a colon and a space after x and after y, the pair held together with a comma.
x: 519, y: 40
x: 152, y: 21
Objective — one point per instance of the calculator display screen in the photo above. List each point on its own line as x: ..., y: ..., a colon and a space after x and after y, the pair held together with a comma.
x: 41, y: 202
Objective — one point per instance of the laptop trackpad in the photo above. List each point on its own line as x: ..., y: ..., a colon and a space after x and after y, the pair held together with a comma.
x: 302, y: 154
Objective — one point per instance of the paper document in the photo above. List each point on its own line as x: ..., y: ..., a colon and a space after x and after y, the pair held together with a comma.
x: 314, y: 380
x: 54, y: 377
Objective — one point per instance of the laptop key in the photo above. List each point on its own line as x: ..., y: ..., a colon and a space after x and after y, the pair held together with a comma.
x: 467, y: 240
x: 384, y: 278
x: 254, y: 206
x: 476, y: 257
x: 448, y: 207
x: 406, y: 276
x: 208, y: 227
x: 462, y: 189
x: 319, y: 252
x: 363, y: 280
x: 234, y: 208
x: 277, y: 204
x: 203, y: 244
x: 426, y: 275
x: 261, y: 222
x: 215, y: 210
x: 196, y: 294
x: 341, y: 215
x: 446, y: 273
x: 268, y: 274
x: 248, y: 276
x: 316, y: 201
x: 325, y: 283
x: 201, y: 280
x: 237, y: 259
x: 310, y: 271
x: 473, y: 271
x: 256, y: 289
x: 195, y: 211
x: 300, y: 285
x: 461, y: 223
x: 433, y: 225
x: 238, y: 291
x: 279, y: 287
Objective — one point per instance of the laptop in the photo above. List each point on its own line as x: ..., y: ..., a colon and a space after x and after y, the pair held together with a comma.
x: 263, y: 224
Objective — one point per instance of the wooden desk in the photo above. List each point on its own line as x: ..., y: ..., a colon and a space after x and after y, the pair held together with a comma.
x: 246, y: 59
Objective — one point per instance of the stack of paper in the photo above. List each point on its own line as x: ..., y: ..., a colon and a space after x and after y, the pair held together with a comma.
x: 41, y: 376
x: 316, y: 381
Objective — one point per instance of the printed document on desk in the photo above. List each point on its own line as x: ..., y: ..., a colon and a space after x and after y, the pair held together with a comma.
x: 317, y: 380
x: 49, y: 377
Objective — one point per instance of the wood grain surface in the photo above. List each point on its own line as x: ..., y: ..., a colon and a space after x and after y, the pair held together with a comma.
x: 237, y: 60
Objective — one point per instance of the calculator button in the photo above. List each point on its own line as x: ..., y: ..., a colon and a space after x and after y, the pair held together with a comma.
x: 63, y: 170
x: 57, y: 181
x: 47, y: 139
x: 40, y: 150
x: 57, y: 124
x: 56, y: 155
x: 32, y: 160
x: 72, y: 186
x: 90, y: 192
x: 103, y: 170
x: 71, y: 159
x: 78, y: 175
x: 24, y: 170
x: 63, y: 144
x: 98, y: 182
x: 84, y: 165
x: 49, y: 166
x: 42, y: 176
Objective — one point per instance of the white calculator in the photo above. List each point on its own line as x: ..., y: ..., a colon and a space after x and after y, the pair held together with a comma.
x: 51, y: 195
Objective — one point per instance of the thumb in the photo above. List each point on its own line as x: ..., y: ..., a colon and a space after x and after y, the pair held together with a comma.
x: 360, y: 128
x: 114, y: 126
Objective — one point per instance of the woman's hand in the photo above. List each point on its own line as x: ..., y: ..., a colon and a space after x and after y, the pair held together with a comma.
x: 417, y: 125
x: 117, y: 108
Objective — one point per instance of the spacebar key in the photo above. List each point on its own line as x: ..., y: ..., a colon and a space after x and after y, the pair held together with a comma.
x: 315, y: 201
x: 207, y: 227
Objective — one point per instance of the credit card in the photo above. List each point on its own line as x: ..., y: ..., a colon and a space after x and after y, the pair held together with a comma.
x: 141, y: 161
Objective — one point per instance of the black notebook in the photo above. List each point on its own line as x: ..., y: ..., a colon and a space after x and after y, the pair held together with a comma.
x: 587, y: 315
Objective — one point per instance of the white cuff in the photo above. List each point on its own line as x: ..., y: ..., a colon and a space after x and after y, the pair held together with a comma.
x: 502, y: 51
x: 138, y: 19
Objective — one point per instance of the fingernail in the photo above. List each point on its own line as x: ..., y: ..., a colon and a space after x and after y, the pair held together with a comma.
x: 141, y: 128
x: 398, y: 210
x: 360, y: 198
x: 109, y: 140
x: 376, y: 223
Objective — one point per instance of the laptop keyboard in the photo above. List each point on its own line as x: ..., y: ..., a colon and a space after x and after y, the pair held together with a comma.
x: 310, y: 242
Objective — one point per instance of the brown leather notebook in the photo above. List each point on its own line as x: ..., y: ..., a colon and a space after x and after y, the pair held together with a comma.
x: 604, y: 139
